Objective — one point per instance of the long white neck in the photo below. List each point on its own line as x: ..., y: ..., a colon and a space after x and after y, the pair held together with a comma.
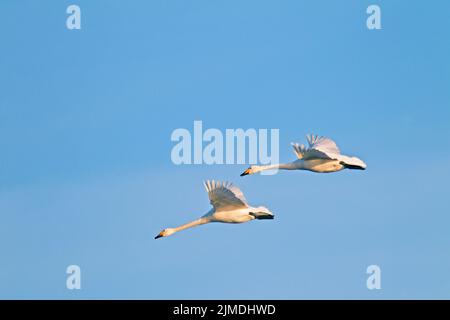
x: 192, y: 224
x: 283, y: 166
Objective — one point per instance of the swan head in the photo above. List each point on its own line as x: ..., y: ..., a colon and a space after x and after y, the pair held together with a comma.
x: 251, y: 170
x: 165, y: 233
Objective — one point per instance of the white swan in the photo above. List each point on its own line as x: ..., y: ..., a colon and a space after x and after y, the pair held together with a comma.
x: 229, y: 206
x: 323, y: 155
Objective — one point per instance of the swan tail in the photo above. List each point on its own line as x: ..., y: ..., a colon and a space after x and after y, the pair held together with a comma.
x: 353, y: 163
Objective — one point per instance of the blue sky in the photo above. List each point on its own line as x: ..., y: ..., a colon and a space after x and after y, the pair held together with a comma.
x: 85, y: 171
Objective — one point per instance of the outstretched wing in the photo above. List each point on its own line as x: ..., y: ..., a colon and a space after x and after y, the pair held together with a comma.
x: 299, y: 150
x: 225, y: 196
x: 321, y: 148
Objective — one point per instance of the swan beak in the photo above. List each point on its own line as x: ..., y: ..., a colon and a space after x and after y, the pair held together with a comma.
x: 246, y: 172
x: 158, y: 236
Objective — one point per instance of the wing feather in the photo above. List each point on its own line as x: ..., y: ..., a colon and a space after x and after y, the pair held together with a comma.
x: 299, y: 150
x: 321, y: 148
x: 225, y: 196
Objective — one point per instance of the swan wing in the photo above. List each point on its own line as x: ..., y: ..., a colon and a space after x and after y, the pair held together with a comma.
x: 321, y: 148
x: 299, y: 150
x: 225, y: 196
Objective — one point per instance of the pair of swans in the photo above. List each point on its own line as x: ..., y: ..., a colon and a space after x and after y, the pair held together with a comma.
x: 228, y: 201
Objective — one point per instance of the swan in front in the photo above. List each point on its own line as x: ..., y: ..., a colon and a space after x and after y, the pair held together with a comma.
x: 322, y: 155
x: 229, y: 206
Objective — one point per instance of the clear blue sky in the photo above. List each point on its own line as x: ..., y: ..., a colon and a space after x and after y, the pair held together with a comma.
x: 85, y: 170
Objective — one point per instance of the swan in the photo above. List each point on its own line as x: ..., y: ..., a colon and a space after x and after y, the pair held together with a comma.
x: 322, y: 155
x: 229, y: 206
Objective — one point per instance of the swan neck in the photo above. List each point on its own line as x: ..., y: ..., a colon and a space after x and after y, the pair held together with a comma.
x: 285, y: 166
x: 192, y: 224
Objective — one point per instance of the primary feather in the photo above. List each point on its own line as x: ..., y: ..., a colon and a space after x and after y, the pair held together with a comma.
x: 225, y: 196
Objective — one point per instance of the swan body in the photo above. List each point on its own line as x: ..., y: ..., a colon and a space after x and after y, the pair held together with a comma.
x: 322, y: 156
x: 229, y: 206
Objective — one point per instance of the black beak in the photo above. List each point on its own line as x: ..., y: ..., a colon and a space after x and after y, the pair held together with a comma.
x: 246, y: 172
x: 158, y: 236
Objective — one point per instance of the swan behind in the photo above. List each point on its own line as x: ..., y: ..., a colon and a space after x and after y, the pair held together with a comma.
x: 321, y: 156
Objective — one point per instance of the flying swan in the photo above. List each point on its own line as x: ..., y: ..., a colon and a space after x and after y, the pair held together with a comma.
x: 229, y: 206
x: 323, y: 155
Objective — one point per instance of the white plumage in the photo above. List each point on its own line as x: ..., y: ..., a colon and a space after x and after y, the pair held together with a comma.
x: 225, y: 196
x: 322, y: 155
